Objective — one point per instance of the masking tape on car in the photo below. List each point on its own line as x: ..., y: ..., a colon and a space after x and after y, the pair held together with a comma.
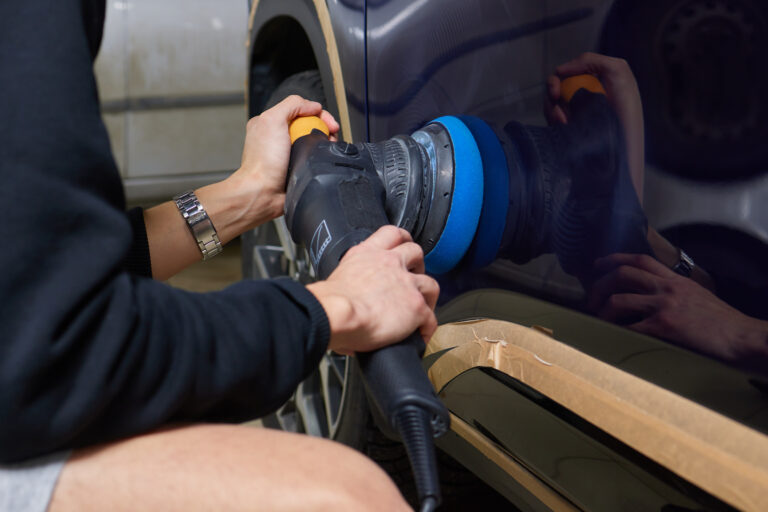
x: 717, y: 454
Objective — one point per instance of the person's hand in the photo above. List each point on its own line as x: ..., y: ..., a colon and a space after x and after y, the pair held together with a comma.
x: 267, y: 151
x: 252, y: 195
x: 623, y: 95
x: 639, y: 292
x: 378, y: 295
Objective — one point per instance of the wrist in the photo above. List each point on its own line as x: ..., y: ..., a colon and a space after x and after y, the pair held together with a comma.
x: 236, y: 205
x: 665, y: 252
x: 261, y: 200
x: 669, y: 255
x: 342, y: 319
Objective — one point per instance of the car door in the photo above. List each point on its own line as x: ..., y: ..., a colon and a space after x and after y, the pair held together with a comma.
x: 172, y: 80
x: 483, y: 58
x: 490, y: 59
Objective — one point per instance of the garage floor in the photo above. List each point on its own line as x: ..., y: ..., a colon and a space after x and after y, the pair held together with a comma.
x: 208, y: 276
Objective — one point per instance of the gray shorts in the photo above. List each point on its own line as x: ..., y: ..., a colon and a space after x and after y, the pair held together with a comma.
x: 28, y: 486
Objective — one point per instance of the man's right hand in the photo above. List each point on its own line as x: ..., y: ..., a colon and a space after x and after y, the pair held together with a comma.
x: 378, y: 295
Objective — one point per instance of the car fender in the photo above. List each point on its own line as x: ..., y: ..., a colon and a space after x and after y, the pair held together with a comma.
x: 585, y: 373
x: 336, y: 34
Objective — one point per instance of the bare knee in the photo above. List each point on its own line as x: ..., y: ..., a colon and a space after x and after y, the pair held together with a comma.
x: 224, y: 468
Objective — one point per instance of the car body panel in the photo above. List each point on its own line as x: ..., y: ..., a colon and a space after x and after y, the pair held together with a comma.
x: 171, y: 81
x: 499, y: 469
x: 546, y: 404
x: 700, y: 440
x: 700, y: 379
x: 427, y: 59
x: 485, y: 59
x: 586, y: 471
x: 334, y: 30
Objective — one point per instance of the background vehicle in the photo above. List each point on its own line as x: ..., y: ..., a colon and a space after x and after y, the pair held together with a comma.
x: 387, y: 67
x: 171, y: 81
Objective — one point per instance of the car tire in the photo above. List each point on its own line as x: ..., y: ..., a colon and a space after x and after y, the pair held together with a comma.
x: 332, y: 403
x: 696, y: 126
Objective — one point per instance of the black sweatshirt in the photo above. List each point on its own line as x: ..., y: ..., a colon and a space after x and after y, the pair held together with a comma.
x: 91, y: 351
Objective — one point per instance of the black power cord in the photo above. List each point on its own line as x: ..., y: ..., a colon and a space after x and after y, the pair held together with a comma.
x: 429, y: 504
x: 415, y: 429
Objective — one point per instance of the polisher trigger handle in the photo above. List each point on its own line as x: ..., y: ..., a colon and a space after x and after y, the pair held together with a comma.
x: 302, y: 126
x: 570, y: 85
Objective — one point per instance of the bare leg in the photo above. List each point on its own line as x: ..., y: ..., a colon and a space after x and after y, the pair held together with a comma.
x: 218, y: 467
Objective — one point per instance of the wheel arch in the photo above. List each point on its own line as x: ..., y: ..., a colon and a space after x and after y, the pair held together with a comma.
x: 287, y: 38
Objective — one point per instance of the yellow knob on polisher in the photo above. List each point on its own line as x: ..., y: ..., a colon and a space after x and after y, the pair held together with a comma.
x: 302, y: 126
x: 570, y: 85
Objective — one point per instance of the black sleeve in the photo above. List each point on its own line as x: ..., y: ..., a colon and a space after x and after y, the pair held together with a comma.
x: 90, y: 352
x: 137, y: 261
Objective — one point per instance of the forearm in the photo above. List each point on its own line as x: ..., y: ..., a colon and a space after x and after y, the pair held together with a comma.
x: 252, y: 195
x: 233, y: 205
x: 139, y: 354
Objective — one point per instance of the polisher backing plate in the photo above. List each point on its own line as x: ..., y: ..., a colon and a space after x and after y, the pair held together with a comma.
x: 493, y: 216
x: 466, y: 200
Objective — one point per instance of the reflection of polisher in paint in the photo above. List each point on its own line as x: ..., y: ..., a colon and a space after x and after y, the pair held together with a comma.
x: 467, y: 194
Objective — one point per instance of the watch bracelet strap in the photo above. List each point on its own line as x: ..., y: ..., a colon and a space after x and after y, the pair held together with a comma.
x: 684, y: 265
x: 199, y: 224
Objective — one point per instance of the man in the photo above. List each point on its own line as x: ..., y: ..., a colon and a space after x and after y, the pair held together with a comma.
x: 94, y: 351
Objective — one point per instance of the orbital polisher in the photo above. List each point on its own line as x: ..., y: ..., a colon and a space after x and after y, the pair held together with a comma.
x: 468, y: 194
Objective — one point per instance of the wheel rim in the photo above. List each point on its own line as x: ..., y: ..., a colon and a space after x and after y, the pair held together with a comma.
x: 275, y: 255
x: 315, y: 408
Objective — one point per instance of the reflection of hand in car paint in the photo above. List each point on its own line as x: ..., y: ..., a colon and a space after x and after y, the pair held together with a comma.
x: 637, y: 290
x: 641, y: 293
x: 623, y: 95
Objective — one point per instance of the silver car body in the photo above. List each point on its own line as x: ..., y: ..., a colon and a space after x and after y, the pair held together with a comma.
x: 171, y: 76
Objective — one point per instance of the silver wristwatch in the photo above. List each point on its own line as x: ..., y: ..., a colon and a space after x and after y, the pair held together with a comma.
x: 199, y: 224
x: 684, y: 265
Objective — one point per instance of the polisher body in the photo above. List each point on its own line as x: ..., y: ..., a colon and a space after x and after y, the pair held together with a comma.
x: 470, y: 194
x: 336, y: 199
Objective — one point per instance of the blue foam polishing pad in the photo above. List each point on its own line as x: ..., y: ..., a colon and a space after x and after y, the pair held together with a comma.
x: 466, y: 200
x: 493, y: 216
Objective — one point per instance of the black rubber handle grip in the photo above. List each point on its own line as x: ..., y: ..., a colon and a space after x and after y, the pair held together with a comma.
x: 395, y: 378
